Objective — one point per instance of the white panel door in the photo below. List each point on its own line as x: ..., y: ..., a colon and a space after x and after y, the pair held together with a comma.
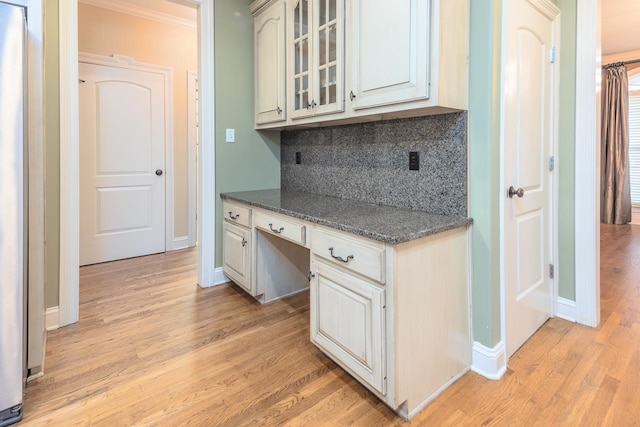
x: 122, y: 181
x: 236, y: 254
x: 528, y: 136
x: 389, y: 51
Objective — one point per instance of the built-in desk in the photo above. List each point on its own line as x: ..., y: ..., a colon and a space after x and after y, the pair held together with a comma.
x: 389, y: 287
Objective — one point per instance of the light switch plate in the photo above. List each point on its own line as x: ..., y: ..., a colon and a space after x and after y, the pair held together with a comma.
x: 231, y: 135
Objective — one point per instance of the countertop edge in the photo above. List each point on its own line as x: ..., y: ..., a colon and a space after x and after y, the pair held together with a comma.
x: 391, y: 240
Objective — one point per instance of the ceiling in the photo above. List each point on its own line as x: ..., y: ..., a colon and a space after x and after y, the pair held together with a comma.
x: 620, y: 26
x: 163, y: 6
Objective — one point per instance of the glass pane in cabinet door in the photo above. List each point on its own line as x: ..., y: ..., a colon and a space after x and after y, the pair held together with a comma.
x: 305, y: 17
x: 322, y: 48
x: 332, y: 84
x: 296, y: 21
x: 305, y: 99
x: 322, y: 15
x: 297, y: 93
x: 305, y: 55
x: 296, y: 61
x: 332, y: 43
x: 332, y: 9
x: 323, y: 87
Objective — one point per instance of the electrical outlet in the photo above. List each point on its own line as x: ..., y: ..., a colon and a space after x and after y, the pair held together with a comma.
x: 231, y: 135
x: 298, y: 158
x: 414, y: 161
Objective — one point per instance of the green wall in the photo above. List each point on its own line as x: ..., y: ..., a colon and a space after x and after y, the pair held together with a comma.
x: 484, y: 167
x: 51, y: 153
x: 566, y: 151
x: 253, y: 161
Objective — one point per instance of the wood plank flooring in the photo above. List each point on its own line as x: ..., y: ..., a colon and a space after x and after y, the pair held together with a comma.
x: 153, y: 349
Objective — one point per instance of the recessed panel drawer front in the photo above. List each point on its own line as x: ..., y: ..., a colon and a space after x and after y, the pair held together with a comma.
x: 355, y: 255
x: 238, y: 214
x: 281, y: 227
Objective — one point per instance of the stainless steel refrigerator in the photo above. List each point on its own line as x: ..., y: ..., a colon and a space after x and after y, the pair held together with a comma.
x: 13, y: 221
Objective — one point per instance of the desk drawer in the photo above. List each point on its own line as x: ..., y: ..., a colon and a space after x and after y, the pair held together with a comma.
x: 236, y: 213
x: 281, y: 227
x: 350, y: 253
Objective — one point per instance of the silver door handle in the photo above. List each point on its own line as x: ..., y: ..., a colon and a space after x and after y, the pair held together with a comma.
x: 159, y: 172
x: 513, y: 192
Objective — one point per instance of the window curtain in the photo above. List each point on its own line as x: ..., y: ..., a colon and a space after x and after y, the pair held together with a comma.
x: 615, y: 203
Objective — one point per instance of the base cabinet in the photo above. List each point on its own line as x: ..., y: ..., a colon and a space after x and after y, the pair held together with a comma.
x: 348, y: 322
x: 236, y: 254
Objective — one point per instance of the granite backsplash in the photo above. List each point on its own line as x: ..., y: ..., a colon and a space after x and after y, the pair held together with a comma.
x: 370, y: 162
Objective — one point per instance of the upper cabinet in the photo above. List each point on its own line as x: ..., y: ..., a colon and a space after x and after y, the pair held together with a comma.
x: 315, y: 46
x: 388, y: 66
x: 364, y: 60
x: 269, y: 64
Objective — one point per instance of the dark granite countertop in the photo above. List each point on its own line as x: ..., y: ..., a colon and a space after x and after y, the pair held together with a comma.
x: 385, y: 224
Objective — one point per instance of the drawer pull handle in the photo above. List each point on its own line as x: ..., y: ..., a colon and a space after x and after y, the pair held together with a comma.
x: 275, y: 230
x: 232, y: 216
x: 339, y: 258
x: 244, y: 243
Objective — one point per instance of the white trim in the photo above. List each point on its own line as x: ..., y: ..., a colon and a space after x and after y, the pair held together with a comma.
x: 181, y: 243
x: 192, y: 147
x: 566, y: 309
x: 587, y: 164
x: 547, y: 8
x: 69, y: 143
x: 491, y: 363
x: 127, y: 62
x: 142, y: 12
x: 52, y: 318
x: 219, y: 278
x: 69, y: 163
x: 206, y: 157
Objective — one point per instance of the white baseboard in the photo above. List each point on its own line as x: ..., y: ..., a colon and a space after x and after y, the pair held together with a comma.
x: 52, y: 318
x: 181, y: 243
x: 566, y: 309
x: 491, y: 363
x: 219, y: 278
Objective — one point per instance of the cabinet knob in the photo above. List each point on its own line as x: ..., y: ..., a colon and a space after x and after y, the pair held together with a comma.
x: 310, y: 276
x: 352, y: 95
x: 244, y: 242
x: 278, y: 110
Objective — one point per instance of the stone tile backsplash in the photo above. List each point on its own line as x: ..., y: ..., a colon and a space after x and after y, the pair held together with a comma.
x: 370, y: 162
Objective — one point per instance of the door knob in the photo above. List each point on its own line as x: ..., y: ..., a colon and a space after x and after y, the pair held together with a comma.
x: 159, y: 172
x: 513, y: 192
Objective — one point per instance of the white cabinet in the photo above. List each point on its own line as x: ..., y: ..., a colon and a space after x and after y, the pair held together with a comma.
x: 363, y: 60
x: 423, y: 59
x: 348, y: 322
x: 236, y: 254
x: 388, y: 67
x: 315, y: 48
x: 269, y: 64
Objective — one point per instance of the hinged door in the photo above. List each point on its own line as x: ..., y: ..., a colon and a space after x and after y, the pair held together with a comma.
x: 347, y: 322
x: 236, y: 254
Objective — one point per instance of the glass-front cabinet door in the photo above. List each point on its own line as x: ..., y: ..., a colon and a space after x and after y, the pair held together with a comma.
x: 316, y: 68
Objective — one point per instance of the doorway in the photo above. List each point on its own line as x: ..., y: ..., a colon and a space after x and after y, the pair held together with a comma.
x: 69, y: 200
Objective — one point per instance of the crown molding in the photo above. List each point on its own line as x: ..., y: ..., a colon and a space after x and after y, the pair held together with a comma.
x: 142, y: 12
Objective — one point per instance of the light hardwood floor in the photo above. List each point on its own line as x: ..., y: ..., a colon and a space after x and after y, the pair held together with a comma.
x: 152, y: 348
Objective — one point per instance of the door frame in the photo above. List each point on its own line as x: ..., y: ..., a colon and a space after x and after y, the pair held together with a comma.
x: 552, y: 12
x: 192, y: 125
x: 128, y: 63
x: 69, y: 290
x: 587, y: 163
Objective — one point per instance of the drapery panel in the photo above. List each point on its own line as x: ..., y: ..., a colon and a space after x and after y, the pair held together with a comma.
x: 615, y: 203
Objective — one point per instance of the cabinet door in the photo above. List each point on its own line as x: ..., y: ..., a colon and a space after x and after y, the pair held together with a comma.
x: 388, y: 51
x: 236, y: 254
x: 269, y: 58
x: 347, y: 322
x: 316, y: 52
